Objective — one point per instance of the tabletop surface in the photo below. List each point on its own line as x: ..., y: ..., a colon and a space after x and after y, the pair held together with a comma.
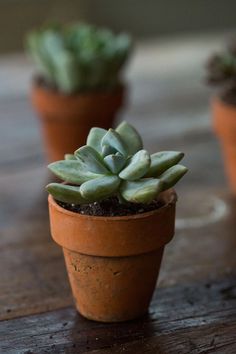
x: 194, y: 306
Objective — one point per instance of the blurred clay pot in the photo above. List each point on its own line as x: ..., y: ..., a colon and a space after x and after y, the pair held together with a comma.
x: 67, y: 119
x: 113, y: 262
x: 224, y: 120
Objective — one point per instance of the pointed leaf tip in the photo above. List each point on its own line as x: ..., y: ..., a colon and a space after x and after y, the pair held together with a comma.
x: 171, y: 176
x: 113, y: 140
x: 100, y: 188
x: 95, y: 137
x: 65, y: 193
x: 161, y: 161
x: 137, y: 167
x: 142, y: 191
x: 130, y: 136
x: 72, y: 171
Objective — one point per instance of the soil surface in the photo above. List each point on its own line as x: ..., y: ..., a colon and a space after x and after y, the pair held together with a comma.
x: 111, y: 207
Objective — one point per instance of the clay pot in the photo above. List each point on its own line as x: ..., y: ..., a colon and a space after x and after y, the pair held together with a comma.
x: 224, y: 120
x: 113, y: 262
x: 67, y: 119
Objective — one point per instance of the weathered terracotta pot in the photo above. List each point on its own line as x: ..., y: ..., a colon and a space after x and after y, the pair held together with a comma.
x: 224, y: 120
x: 113, y: 262
x: 67, y: 119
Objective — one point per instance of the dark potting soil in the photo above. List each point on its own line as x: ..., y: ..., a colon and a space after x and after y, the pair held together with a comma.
x: 111, y: 207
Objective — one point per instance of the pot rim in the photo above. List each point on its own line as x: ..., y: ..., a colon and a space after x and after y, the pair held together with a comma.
x: 169, y: 197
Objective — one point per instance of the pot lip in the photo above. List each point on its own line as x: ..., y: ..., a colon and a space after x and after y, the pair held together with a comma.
x: 35, y: 86
x: 169, y: 196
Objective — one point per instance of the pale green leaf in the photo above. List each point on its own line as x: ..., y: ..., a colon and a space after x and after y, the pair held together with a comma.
x: 114, y: 140
x: 69, y: 157
x: 142, y: 191
x: 137, y: 166
x: 95, y: 137
x: 115, y: 162
x: 100, y: 188
x: 108, y: 150
x: 65, y: 193
x: 72, y: 171
x: 91, y: 158
x: 163, y: 160
x: 171, y: 176
x: 130, y: 136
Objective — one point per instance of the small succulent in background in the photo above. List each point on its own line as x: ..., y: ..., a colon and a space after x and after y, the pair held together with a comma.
x: 79, y: 57
x: 114, y: 163
x: 221, y: 67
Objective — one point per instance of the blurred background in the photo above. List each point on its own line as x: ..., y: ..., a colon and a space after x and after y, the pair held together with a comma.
x: 144, y: 19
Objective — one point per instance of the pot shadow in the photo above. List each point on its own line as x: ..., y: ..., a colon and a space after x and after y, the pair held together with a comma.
x: 86, y: 334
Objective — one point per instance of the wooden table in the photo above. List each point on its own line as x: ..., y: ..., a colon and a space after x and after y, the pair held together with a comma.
x: 194, y: 306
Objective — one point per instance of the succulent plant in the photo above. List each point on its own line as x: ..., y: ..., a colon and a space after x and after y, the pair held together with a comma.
x: 221, y: 67
x: 78, y: 57
x: 114, y: 163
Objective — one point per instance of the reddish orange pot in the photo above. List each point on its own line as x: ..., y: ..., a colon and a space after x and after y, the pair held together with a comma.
x: 225, y: 127
x: 67, y: 119
x: 113, y: 262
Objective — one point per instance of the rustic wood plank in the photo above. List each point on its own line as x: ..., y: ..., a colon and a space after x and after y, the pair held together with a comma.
x: 196, y: 318
x: 36, y: 264
x: 194, y: 307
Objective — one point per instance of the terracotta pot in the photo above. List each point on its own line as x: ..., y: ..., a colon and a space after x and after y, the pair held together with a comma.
x: 224, y: 116
x: 67, y: 119
x: 113, y: 262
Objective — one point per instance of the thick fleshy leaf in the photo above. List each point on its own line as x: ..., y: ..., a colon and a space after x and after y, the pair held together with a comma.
x: 130, y: 136
x: 91, y: 158
x: 100, y: 188
x: 142, y: 191
x: 69, y: 157
x: 163, y: 160
x: 72, y: 171
x: 113, y: 139
x: 115, y: 162
x: 108, y: 150
x: 137, y: 167
x: 95, y: 137
x: 66, y: 194
x: 171, y: 176
x: 65, y: 67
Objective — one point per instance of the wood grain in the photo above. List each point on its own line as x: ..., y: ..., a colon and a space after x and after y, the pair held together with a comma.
x: 196, y: 318
x: 194, y: 307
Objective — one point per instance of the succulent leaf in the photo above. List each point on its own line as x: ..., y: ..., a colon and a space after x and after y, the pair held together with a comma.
x: 141, y: 191
x: 108, y: 150
x: 114, y: 140
x: 69, y: 157
x: 91, y: 158
x: 163, y: 160
x: 130, y: 136
x: 65, y: 193
x: 137, y: 167
x: 65, y: 72
x: 95, y: 137
x: 171, y: 176
x: 72, y: 171
x: 115, y: 162
x: 102, y: 187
